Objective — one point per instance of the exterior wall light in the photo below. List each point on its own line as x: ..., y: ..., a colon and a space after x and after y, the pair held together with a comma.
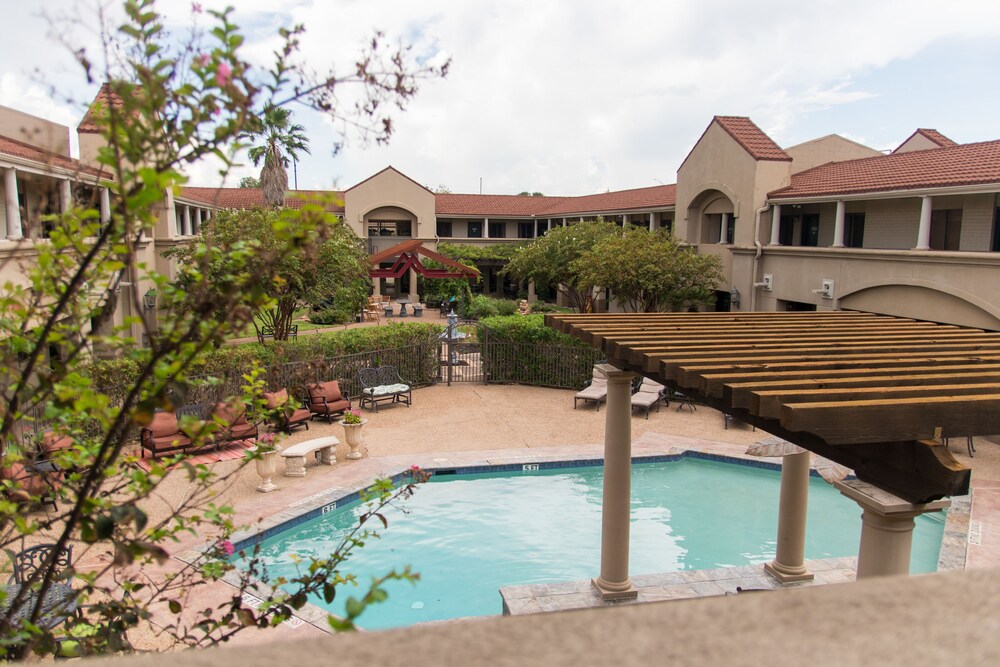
x: 734, y: 298
x: 149, y: 299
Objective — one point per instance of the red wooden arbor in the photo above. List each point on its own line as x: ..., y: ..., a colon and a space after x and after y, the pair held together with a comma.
x: 409, y: 258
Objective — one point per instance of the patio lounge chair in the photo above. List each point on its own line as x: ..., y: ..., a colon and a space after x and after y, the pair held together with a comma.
x: 290, y: 416
x: 649, y: 394
x: 596, y: 391
x: 325, y: 400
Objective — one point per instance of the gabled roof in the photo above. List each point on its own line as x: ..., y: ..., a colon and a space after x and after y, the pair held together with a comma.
x: 243, y: 198
x: 395, y: 171
x: 19, y: 149
x: 106, y: 98
x: 964, y: 164
x: 659, y: 196
x: 751, y: 138
x: 931, y: 135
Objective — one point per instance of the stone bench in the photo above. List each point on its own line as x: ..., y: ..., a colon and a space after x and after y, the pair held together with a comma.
x: 295, y: 455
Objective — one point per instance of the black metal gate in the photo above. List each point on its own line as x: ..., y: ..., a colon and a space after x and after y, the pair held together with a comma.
x: 460, y: 353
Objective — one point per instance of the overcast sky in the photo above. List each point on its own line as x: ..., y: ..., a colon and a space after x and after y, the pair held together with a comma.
x: 582, y: 96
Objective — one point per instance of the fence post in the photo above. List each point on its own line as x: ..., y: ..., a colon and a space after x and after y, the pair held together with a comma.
x: 483, y: 352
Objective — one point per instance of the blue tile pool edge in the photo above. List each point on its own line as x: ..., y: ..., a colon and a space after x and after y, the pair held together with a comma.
x: 954, y: 542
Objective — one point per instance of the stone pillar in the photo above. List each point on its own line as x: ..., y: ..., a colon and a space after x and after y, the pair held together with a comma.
x: 196, y: 224
x: 924, y: 231
x: 724, y: 229
x: 413, y: 286
x: 486, y: 228
x: 65, y: 195
x: 186, y: 224
x: 532, y: 296
x: 775, y: 225
x: 14, y: 232
x: 838, y: 225
x: 789, y: 560
x: 886, y: 528
x: 105, y: 205
x: 376, y: 286
x: 614, y: 582
x: 652, y: 222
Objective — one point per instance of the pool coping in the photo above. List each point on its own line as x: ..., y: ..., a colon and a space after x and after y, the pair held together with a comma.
x: 954, y: 544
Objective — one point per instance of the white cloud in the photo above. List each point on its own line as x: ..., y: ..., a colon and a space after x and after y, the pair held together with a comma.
x: 573, y: 98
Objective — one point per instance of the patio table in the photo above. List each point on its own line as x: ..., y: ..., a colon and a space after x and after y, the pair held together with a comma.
x: 402, y: 306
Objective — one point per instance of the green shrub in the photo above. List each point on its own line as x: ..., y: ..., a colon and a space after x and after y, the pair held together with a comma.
x: 545, y: 307
x: 481, y: 307
x: 525, y: 329
x: 333, y: 315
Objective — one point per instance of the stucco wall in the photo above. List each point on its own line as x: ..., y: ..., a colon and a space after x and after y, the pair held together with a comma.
x: 831, y: 148
x: 390, y: 188
x: 33, y: 130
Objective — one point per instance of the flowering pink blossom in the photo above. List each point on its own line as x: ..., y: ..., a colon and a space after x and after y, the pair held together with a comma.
x: 202, y: 60
x: 223, y: 74
x: 227, y: 547
x: 196, y: 7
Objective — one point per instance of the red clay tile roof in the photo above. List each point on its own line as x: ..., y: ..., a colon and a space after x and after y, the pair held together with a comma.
x: 104, y: 99
x: 752, y: 138
x: 242, y: 198
x: 931, y: 135
x: 658, y: 196
x: 964, y: 164
x: 19, y: 149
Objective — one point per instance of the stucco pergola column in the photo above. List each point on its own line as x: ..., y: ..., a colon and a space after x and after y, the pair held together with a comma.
x: 413, y: 286
x: 724, y: 229
x: 186, y: 222
x: 924, y: 231
x: 789, y: 560
x: 838, y: 225
x: 532, y: 296
x: 775, y: 225
x: 886, y: 528
x: 65, y: 195
x: 105, y: 205
x: 14, y: 231
x: 652, y: 222
x: 614, y: 582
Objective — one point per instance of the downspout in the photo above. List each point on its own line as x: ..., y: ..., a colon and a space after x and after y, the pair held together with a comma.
x: 756, y: 257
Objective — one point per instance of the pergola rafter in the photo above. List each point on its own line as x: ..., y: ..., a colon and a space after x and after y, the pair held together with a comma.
x: 868, y: 391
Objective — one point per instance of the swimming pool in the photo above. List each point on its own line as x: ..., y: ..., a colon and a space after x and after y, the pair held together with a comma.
x: 470, y: 534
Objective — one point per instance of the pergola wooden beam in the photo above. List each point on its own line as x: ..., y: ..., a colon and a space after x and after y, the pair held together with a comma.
x: 865, y: 390
x: 407, y: 256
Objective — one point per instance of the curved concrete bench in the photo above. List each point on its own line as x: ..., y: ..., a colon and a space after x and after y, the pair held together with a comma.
x: 295, y: 456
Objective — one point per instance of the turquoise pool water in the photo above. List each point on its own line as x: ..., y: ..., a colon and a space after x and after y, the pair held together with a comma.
x: 470, y: 535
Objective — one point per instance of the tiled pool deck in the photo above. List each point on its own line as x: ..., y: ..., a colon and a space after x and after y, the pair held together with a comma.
x: 317, y: 493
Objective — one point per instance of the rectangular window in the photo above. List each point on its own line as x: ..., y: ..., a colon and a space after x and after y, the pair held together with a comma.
x: 786, y: 230
x: 667, y: 225
x: 995, y: 247
x: 475, y: 229
x: 526, y: 230
x: 810, y: 229
x: 444, y: 228
x: 730, y: 228
x: 946, y: 229
x: 498, y: 230
x: 854, y: 230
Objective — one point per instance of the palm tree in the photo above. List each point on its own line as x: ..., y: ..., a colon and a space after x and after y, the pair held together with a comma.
x: 280, y: 140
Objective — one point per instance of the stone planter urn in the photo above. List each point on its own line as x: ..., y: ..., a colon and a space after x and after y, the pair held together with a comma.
x: 267, y: 466
x: 354, y: 438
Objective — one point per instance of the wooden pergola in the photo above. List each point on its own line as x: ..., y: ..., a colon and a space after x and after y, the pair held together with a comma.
x: 872, y: 392
x: 407, y: 256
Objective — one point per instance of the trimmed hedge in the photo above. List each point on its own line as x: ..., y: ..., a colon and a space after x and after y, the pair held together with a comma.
x: 525, y: 329
x: 522, y: 350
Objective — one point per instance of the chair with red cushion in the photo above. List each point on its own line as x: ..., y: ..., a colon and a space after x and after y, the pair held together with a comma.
x: 289, y: 416
x: 325, y: 400
x: 30, y: 484
x: 233, y: 415
x: 163, y: 434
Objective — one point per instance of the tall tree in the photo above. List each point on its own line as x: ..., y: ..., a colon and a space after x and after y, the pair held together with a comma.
x: 649, y: 271
x: 551, y: 260
x: 280, y: 139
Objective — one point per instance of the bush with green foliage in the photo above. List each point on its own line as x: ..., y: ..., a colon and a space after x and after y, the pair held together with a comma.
x: 483, y: 306
x: 520, y: 349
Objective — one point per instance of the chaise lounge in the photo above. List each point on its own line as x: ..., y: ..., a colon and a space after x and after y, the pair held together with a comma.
x: 596, y: 391
x: 649, y: 394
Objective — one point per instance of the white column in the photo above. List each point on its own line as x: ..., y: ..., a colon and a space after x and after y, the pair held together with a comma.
x: 196, y: 226
x: 789, y: 558
x: 186, y: 224
x: 486, y: 228
x: 724, y: 229
x: 614, y: 582
x: 886, y: 528
x: 924, y: 232
x: 105, y: 205
x: 65, y: 195
x: 652, y: 222
x: 838, y: 225
x: 14, y: 232
x: 775, y: 224
x: 413, y: 286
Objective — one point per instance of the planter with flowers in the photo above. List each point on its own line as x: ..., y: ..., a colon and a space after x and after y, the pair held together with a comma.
x: 266, y: 460
x: 352, y: 423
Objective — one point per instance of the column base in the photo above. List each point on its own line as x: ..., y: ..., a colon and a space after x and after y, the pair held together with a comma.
x: 613, y: 592
x: 787, y: 576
